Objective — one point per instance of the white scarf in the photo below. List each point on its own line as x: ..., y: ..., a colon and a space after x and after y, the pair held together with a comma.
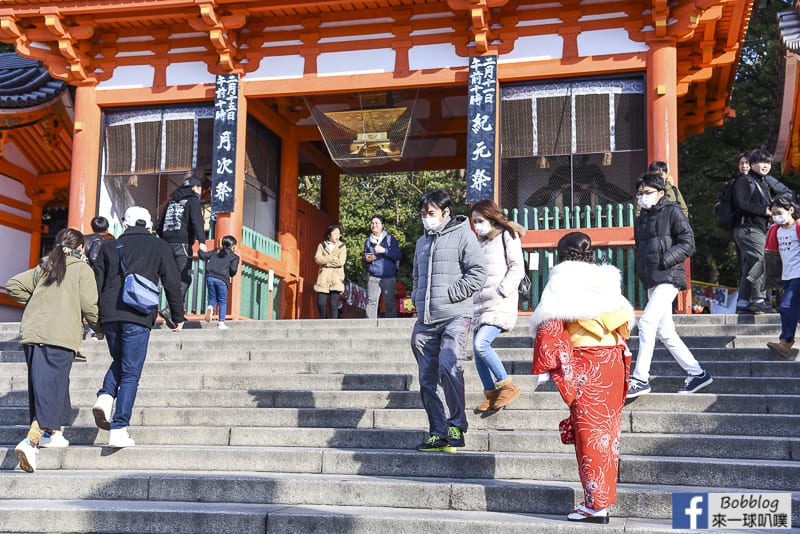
x: 376, y: 239
x: 577, y: 290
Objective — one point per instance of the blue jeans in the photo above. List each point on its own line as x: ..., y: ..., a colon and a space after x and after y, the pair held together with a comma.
x: 440, y: 350
x: 790, y: 309
x: 487, y: 362
x: 217, y: 295
x: 127, y: 343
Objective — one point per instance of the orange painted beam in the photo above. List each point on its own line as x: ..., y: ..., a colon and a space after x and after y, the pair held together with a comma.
x: 601, y: 237
x: 19, y: 223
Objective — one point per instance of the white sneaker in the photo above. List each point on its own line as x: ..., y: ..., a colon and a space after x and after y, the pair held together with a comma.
x: 56, y: 440
x: 222, y: 326
x: 119, y: 438
x: 102, y: 411
x: 26, y: 454
x: 209, y: 313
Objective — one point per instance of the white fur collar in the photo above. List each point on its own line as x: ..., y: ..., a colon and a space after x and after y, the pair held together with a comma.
x: 577, y: 290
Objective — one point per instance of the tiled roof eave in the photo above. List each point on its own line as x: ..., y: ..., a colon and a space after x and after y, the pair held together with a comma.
x: 26, y: 84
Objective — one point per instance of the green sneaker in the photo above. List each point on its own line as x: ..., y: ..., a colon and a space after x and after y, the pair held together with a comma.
x: 435, y: 444
x: 455, y: 436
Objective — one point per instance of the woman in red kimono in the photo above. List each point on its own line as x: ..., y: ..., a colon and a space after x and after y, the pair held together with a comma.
x: 579, y: 328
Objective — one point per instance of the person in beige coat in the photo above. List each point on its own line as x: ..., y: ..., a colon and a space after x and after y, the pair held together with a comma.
x: 495, y: 305
x: 58, y: 294
x: 331, y: 256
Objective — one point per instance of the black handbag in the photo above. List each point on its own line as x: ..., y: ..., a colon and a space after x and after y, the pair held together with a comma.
x: 524, y: 287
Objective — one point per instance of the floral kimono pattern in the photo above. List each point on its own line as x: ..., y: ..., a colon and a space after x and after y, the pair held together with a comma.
x: 593, y: 381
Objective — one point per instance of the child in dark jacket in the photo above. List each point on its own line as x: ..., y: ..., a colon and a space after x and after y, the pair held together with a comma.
x: 221, y: 264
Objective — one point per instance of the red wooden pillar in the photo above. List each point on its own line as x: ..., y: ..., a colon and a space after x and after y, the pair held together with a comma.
x: 287, y: 220
x: 85, y: 157
x: 662, y: 138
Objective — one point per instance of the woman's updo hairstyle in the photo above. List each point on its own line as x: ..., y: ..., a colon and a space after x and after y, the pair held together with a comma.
x: 575, y: 246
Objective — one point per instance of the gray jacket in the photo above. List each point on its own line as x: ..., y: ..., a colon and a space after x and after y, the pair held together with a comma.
x: 449, y: 266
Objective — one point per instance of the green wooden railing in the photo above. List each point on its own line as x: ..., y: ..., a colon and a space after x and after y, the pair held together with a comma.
x: 255, y: 300
x: 540, y: 260
x: 261, y: 243
x: 259, y: 301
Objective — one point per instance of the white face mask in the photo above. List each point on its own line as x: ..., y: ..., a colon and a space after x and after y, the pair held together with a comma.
x: 483, y: 228
x: 431, y: 223
x: 780, y: 218
x: 647, y: 201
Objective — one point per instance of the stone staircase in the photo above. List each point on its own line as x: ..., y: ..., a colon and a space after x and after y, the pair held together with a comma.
x: 286, y: 427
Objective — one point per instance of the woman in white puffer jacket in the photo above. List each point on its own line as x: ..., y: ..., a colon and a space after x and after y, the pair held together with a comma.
x: 495, y: 306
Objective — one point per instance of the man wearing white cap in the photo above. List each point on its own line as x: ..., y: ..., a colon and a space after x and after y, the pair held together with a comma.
x: 127, y: 330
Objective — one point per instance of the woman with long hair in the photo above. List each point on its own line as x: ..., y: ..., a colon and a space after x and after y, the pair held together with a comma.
x: 58, y: 294
x: 579, y: 328
x: 495, y: 305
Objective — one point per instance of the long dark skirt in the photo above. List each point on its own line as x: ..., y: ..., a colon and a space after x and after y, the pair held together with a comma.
x: 48, y: 384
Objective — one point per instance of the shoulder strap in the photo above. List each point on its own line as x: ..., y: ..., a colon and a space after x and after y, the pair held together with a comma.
x: 122, y: 263
x: 765, y: 196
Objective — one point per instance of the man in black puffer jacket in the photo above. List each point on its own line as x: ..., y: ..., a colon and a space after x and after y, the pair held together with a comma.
x: 664, y: 240
x: 127, y: 330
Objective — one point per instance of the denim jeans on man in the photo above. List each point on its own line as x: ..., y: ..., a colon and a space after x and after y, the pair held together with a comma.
x: 218, y: 295
x: 790, y: 309
x: 487, y: 362
x: 440, y: 349
x: 127, y: 343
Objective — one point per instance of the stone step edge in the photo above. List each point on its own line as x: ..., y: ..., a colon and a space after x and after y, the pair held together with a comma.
x: 624, y: 490
x: 330, y: 518
x: 100, y: 439
x: 229, y: 449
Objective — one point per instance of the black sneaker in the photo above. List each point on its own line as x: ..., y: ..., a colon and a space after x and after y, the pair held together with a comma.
x: 435, y: 444
x: 167, y: 319
x: 78, y: 357
x: 455, y: 436
x: 757, y: 308
x: 697, y: 382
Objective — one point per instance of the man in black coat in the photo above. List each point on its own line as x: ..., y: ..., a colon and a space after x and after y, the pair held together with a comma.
x: 664, y: 241
x: 181, y: 225
x: 752, y: 194
x: 127, y: 330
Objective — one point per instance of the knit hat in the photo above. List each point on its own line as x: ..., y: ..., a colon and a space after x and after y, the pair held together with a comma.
x: 138, y: 213
x: 653, y: 180
x: 192, y: 182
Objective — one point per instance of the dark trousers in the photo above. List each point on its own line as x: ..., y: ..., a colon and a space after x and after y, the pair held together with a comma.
x: 127, y: 343
x: 48, y: 385
x: 440, y: 350
x: 328, y: 305
x: 183, y: 259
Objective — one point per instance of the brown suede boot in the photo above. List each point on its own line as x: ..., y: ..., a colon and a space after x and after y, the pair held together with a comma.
x: 782, y: 347
x: 508, y: 392
x: 488, y: 404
